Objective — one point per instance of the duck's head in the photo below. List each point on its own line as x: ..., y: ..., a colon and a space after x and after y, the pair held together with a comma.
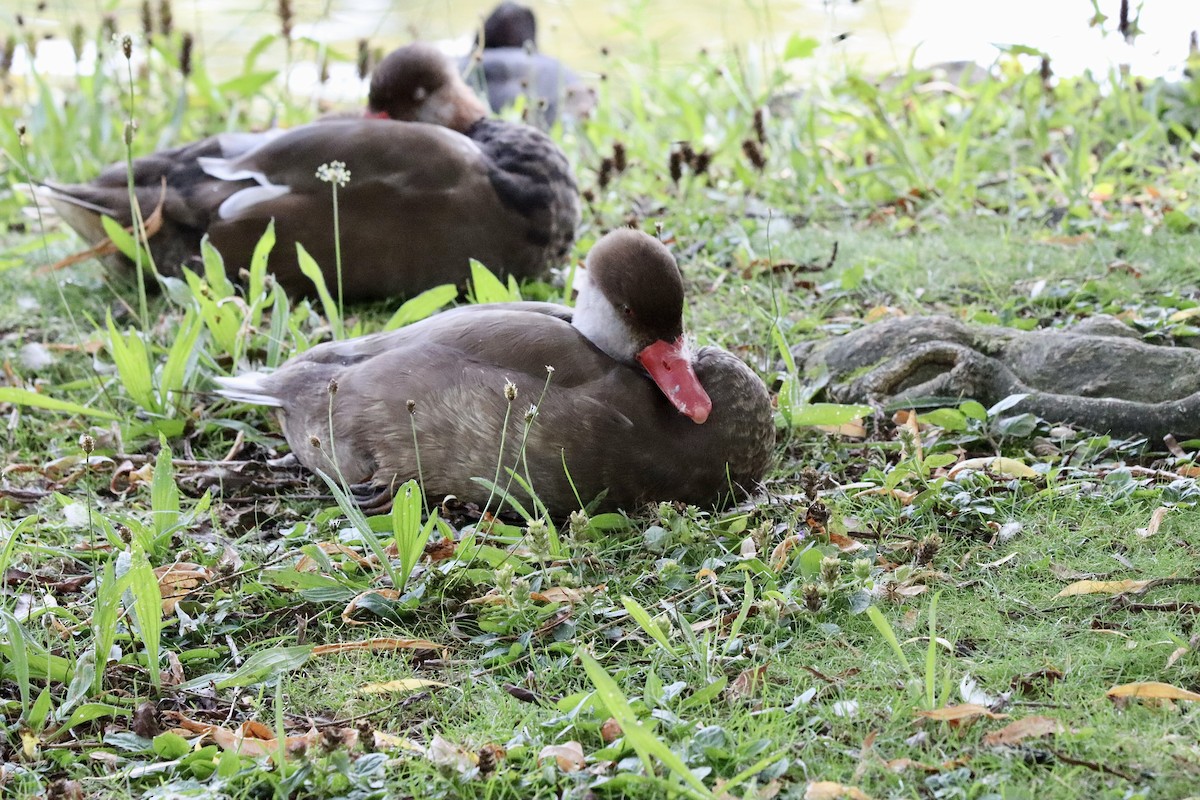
x: 417, y: 83
x: 509, y: 25
x: 630, y: 305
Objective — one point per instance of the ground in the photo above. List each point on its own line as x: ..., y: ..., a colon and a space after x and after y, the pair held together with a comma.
x: 942, y: 601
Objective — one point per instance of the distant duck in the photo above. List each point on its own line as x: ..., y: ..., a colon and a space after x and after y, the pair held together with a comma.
x: 432, y: 183
x: 506, y: 65
x: 603, y: 402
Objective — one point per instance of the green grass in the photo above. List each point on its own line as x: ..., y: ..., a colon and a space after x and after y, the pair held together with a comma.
x: 1017, y: 208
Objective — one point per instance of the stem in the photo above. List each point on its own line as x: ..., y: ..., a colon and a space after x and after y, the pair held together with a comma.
x: 139, y: 228
x: 337, y: 257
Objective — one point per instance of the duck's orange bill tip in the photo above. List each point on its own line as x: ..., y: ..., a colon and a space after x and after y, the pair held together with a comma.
x: 670, y: 367
x: 369, y: 114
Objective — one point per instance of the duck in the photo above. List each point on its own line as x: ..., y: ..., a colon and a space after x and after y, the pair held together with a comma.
x: 506, y: 64
x: 432, y: 183
x: 603, y: 407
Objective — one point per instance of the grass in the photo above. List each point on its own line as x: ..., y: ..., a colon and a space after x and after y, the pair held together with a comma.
x: 685, y: 652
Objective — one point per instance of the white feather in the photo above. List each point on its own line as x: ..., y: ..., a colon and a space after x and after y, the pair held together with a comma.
x: 248, y: 388
x: 602, y: 324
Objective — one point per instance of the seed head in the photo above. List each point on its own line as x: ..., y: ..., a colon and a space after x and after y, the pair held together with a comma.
x: 285, y: 19
x: 701, y: 162
x: 549, y: 369
x: 87, y: 444
x: 812, y: 597
x: 127, y: 46
x: 927, y: 548
x: 753, y: 154
x: 108, y: 28
x: 411, y: 405
x: 314, y: 442
x: 861, y: 568
x: 147, y: 20
x: 333, y: 385
x: 130, y: 129
x: 334, y: 172
x: 510, y: 390
x: 530, y: 413
x: 831, y: 570
x: 606, y: 170
x: 676, y: 166
x: 77, y: 34
x: 578, y: 523
x: 185, y: 54
x: 363, y: 61
x: 619, y: 156
x: 166, y: 19
x: 760, y: 129
x: 539, y: 536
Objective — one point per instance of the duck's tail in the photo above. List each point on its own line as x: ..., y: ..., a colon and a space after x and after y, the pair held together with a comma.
x: 249, y: 387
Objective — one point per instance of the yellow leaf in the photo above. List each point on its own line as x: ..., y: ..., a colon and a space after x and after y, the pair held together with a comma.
x: 390, y: 741
x: 1022, y: 729
x: 831, y: 790
x: 568, y: 756
x: 399, y: 686
x: 959, y: 714
x: 375, y: 645
x: 1185, y: 314
x: 1154, y: 690
x: 176, y: 581
x: 1101, y: 587
x: 997, y: 465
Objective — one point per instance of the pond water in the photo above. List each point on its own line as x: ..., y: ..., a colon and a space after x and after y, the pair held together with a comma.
x: 880, y: 35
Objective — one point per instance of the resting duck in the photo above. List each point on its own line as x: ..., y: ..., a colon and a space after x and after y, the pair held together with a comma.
x: 433, y: 182
x: 629, y: 410
x: 508, y: 66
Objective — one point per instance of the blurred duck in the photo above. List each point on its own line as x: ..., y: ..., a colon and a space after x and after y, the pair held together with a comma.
x: 619, y: 407
x: 427, y: 182
x: 506, y: 65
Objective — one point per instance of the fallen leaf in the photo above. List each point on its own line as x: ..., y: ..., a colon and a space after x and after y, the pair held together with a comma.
x: 176, y: 581
x: 1102, y: 587
x: 779, y: 555
x: 1153, y: 690
x: 994, y: 564
x: 747, y: 683
x: 1000, y: 466
x: 1022, y: 729
x: 1155, y: 522
x: 352, y: 606
x: 568, y: 756
x: 375, y: 645
x: 962, y: 714
x: 400, y: 686
x: 610, y: 731
x: 390, y: 741
x: 1176, y: 654
x: 309, y: 564
x: 565, y: 594
x: 845, y: 543
x: 445, y: 753
x: 831, y: 790
x: 904, y: 497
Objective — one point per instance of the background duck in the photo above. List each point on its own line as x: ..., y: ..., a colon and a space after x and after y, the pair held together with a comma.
x: 632, y: 414
x: 506, y: 64
x: 432, y: 183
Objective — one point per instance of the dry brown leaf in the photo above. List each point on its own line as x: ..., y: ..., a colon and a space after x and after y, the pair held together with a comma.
x: 352, y: 606
x: 1102, y: 587
x: 445, y: 753
x: 1176, y: 654
x: 568, y: 756
x: 963, y: 714
x: 1153, y: 690
x: 400, y: 686
x: 176, y: 581
x: 831, y: 790
x: 308, y: 564
x: 377, y: 645
x: 1022, y: 729
x: 610, y: 731
x: 1156, y: 519
x: 565, y: 594
x: 748, y: 682
x: 904, y: 497
x: 779, y: 555
x: 845, y: 543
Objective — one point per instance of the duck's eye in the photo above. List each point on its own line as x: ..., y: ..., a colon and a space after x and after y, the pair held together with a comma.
x: 626, y: 310
x: 420, y: 94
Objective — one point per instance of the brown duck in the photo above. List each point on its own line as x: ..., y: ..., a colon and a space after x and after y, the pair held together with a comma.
x: 433, y: 182
x: 609, y: 395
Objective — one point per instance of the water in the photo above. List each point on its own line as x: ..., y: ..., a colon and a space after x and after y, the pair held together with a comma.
x: 882, y: 34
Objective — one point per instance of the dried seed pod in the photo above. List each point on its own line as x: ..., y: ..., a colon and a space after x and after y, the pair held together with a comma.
x: 147, y: 20
x: 676, y: 165
x: 701, y: 163
x: 185, y: 54
x: 286, y: 18
x: 760, y: 129
x: 606, y: 169
x: 363, y: 60
x: 619, y: 156
x: 753, y: 154
x: 166, y: 18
